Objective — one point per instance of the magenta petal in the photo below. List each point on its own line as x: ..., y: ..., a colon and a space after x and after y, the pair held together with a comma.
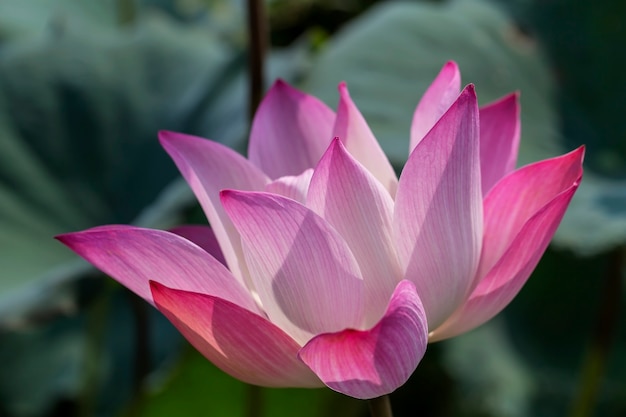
x: 210, y: 167
x: 438, y: 211
x: 242, y: 344
x: 202, y: 236
x: 371, y: 363
x: 507, y: 277
x: 134, y: 256
x: 357, y: 205
x: 352, y: 129
x: 290, y: 131
x: 306, y: 277
x: 519, y: 196
x: 435, y: 101
x: 522, y: 213
x: 499, y: 139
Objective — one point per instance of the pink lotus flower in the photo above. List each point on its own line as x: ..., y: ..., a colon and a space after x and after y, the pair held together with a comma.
x: 324, y: 268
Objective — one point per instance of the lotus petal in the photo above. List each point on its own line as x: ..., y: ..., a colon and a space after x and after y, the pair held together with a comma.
x: 202, y: 236
x: 239, y: 342
x: 435, y: 102
x: 357, y: 205
x: 438, y: 214
x: 370, y: 363
x: 306, y: 277
x: 507, y: 277
x: 352, y: 129
x: 210, y: 167
x: 290, y: 131
x: 499, y: 139
x: 134, y: 256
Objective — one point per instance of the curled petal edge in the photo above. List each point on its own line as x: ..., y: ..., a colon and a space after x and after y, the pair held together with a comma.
x: 241, y: 343
x: 368, y: 364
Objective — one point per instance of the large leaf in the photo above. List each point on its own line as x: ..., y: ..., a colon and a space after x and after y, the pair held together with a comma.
x: 34, y: 18
x: 582, y: 40
x: 79, y: 116
x: 79, y: 113
x: 390, y: 54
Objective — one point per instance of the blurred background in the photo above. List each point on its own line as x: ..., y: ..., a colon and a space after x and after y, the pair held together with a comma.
x: 86, y: 84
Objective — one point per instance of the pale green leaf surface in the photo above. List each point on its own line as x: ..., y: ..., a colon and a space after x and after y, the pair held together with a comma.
x: 389, y: 56
x: 79, y: 116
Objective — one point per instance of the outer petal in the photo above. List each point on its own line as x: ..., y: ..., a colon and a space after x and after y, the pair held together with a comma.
x: 346, y: 195
x: 210, y: 167
x: 352, y: 129
x: 435, y: 101
x: 292, y: 186
x: 290, y: 131
x: 368, y: 364
x: 202, y: 236
x: 499, y: 139
x: 507, y: 277
x: 242, y: 344
x: 305, y: 274
x: 519, y: 196
x: 438, y: 212
x: 133, y: 256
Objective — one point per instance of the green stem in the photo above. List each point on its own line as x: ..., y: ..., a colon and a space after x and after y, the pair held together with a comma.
x: 254, y: 405
x: 604, y: 333
x: 380, y: 407
x: 257, y: 34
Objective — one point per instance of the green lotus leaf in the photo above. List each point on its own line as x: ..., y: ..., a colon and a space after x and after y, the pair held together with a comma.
x: 389, y: 56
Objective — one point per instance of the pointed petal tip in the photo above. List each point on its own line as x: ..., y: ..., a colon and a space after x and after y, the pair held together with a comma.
x: 226, y: 195
x: 63, y: 237
x: 70, y: 238
x: 579, y: 154
x: 168, y: 139
x: 336, y: 144
x: 281, y: 86
x: 511, y: 99
x: 450, y: 71
x: 580, y: 151
x: 575, y: 157
x: 280, y: 83
x: 469, y: 90
x: 166, y: 136
x: 67, y: 239
x: 163, y: 134
x: 451, y: 66
x: 278, y: 91
x: 155, y: 286
x: 159, y: 291
x: 467, y: 97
